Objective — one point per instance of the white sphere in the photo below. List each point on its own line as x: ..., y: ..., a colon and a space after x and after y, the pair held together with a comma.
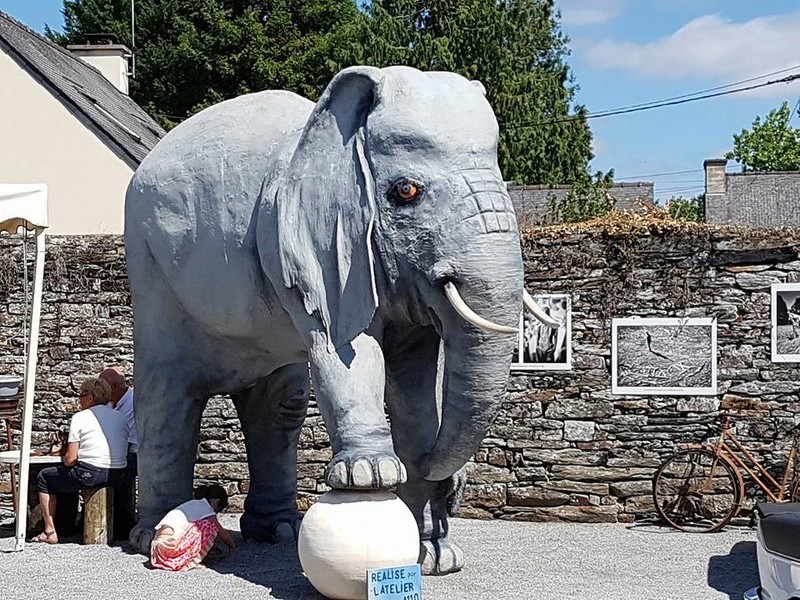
x: 347, y: 532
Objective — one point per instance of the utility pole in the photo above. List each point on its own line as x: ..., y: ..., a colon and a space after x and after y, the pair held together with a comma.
x: 133, y: 41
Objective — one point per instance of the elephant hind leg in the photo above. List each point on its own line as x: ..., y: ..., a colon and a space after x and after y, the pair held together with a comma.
x: 168, y: 421
x: 170, y: 355
x: 272, y: 413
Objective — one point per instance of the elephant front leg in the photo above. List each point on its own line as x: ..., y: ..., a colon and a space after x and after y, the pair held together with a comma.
x: 431, y: 502
x: 349, y: 385
x: 168, y: 423
x: 272, y: 413
x: 413, y: 393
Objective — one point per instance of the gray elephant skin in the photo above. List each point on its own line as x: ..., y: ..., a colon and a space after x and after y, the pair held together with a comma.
x: 267, y: 233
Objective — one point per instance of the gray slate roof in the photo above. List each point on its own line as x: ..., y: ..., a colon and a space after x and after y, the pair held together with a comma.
x: 532, y: 202
x: 111, y: 115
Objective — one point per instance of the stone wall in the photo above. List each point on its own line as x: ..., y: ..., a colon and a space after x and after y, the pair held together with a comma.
x: 562, y: 447
x: 85, y: 323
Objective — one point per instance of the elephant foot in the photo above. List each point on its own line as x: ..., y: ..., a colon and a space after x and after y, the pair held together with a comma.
x: 440, y: 557
x: 273, y: 530
x: 140, y: 538
x: 363, y: 469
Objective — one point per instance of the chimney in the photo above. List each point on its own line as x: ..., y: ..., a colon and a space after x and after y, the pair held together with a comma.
x: 110, y: 59
x: 716, y: 183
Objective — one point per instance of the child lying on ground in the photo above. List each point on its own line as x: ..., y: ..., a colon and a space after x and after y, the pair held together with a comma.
x: 186, y: 534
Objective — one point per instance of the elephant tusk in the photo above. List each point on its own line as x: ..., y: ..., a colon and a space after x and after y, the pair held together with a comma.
x: 537, y: 311
x: 470, y: 315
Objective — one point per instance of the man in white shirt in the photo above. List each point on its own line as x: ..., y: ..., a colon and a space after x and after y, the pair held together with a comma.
x: 122, y: 401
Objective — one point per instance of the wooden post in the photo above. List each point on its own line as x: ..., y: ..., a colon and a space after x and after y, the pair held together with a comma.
x: 98, y: 515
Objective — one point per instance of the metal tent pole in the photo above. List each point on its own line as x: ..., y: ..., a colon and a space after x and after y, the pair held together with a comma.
x: 30, y: 384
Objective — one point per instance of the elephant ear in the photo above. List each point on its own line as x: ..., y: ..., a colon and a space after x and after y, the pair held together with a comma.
x: 326, y: 208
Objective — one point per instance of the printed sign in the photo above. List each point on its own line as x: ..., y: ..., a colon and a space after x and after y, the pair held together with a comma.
x: 395, y: 583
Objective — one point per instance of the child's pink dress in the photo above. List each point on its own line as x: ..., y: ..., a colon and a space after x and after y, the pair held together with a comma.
x: 184, y: 536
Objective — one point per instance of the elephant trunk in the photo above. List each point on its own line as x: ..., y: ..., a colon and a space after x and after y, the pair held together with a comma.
x: 474, y: 384
x: 475, y: 370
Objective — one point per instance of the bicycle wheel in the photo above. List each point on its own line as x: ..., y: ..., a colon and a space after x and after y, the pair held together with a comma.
x: 696, y: 491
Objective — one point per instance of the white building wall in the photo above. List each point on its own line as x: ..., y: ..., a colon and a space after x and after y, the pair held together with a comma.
x: 42, y: 142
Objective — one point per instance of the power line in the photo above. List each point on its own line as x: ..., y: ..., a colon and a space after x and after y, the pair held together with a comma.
x: 678, y: 184
x: 677, y: 181
x: 658, y: 174
x: 679, y: 188
x: 714, y: 89
x: 672, y: 192
x: 670, y: 102
x: 655, y: 104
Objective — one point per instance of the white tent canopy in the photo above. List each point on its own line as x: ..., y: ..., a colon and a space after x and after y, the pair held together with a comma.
x: 25, y: 205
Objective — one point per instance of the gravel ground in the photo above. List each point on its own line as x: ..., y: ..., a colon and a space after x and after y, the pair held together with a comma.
x: 506, y: 560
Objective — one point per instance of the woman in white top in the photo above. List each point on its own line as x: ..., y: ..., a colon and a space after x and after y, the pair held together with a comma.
x: 96, y: 454
x: 186, y: 533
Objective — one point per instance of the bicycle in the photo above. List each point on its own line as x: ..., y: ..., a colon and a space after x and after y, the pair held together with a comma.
x: 700, y: 489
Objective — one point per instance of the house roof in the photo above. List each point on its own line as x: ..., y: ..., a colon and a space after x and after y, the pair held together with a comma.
x: 111, y: 115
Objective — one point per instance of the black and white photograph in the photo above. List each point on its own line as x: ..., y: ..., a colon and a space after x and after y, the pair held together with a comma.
x: 540, y: 347
x: 786, y: 322
x: 664, y: 356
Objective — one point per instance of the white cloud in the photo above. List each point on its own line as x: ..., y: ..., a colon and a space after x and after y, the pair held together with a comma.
x: 578, y: 13
x: 710, y: 47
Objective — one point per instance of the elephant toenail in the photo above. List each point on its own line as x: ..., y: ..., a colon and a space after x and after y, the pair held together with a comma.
x: 338, y: 475
x: 388, y: 471
x: 362, y: 473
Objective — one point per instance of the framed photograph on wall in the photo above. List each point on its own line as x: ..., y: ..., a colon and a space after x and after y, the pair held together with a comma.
x: 540, y: 347
x: 664, y: 356
x: 786, y: 322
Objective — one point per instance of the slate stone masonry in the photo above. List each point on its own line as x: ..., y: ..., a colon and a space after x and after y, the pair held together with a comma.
x: 562, y: 447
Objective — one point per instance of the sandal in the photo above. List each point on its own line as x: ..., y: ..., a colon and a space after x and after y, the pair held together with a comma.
x: 46, y: 538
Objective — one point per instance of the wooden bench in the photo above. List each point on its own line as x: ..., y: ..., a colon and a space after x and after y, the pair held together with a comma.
x: 98, y: 515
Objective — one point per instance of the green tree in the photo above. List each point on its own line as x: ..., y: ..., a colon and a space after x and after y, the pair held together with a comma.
x: 517, y: 50
x: 687, y: 209
x: 193, y: 53
x: 769, y: 145
x: 589, y: 197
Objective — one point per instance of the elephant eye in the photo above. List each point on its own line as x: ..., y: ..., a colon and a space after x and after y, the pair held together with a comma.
x: 405, y: 191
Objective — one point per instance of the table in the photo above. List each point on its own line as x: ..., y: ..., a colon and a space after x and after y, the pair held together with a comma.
x: 11, y: 457
x: 67, y: 509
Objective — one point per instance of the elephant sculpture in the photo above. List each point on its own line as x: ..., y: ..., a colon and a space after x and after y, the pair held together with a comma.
x: 369, y: 236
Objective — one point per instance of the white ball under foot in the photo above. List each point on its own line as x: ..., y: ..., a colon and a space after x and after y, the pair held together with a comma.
x: 347, y: 532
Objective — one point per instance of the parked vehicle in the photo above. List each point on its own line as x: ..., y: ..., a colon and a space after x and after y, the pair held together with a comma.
x: 778, y: 549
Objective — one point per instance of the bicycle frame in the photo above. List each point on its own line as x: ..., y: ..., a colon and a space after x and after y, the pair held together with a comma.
x: 775, y: 491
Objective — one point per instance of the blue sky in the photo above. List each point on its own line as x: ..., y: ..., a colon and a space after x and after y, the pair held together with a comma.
x: 626, y: 52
